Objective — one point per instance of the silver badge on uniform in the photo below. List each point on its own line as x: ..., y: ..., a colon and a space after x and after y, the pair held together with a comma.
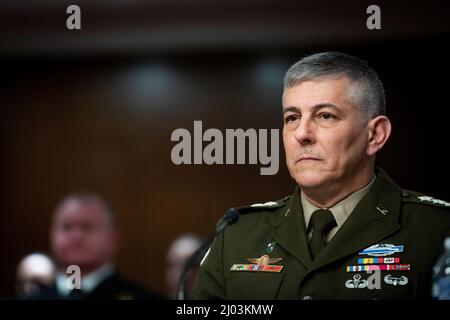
x: 356, y: 282
x: 270, y: 246
x: 395, y: 281
x: 382, y: 250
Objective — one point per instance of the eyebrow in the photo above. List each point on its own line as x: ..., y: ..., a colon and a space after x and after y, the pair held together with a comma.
x: 315, y: 108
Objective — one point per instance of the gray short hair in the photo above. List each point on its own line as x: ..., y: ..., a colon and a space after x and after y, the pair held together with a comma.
x: 366, y: 92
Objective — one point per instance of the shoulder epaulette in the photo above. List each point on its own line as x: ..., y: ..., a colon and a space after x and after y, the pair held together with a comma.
x: 414, y: 197
x: 270, y: 205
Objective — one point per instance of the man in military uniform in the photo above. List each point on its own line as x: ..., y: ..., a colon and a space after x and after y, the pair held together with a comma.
x: 348, y: 231
x: 84, y: 233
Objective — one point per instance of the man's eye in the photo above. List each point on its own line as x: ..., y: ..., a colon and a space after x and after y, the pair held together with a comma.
x: 290, y: 118
x: 65, y: 227
x: 327, y: 116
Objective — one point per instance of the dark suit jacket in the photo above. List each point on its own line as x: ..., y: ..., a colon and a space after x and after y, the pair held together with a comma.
x: 113, y: 287
x: 387, y: 215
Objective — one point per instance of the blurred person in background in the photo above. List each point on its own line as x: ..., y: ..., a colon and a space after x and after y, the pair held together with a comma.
x: 84, y: 233
x: 34, y: 272
x: 180, y: 250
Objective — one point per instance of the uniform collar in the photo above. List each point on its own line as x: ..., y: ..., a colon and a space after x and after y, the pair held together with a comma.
x: 341, y: 210
x: 374, y: 218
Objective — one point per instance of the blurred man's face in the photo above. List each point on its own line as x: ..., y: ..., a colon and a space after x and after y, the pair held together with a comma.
x: 324, y: 136
x: 82, y: 234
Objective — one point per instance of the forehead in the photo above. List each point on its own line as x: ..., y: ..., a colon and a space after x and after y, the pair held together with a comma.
x: 74, y: 210
x: 309, y: 93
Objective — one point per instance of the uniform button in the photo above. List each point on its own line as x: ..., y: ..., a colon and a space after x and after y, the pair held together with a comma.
x: 307, y: 298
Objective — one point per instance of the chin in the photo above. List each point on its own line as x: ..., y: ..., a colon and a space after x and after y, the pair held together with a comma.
x: 308, y: 179
x: 79, y: 260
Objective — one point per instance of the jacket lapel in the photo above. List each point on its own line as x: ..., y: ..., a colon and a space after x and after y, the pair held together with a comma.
x: 289, y: 230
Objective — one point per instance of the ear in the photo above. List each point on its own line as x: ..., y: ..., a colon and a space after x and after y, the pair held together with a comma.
x: 379, y: 132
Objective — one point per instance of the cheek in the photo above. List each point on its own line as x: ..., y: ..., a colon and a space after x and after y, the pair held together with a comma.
x: 289, y: 143
x: 340, y: 145
x: 102, y: 243
x: 58, y: 241
x: 349, y: 147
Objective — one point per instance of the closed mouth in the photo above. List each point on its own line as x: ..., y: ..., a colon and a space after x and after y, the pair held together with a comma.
x: 308, y: 158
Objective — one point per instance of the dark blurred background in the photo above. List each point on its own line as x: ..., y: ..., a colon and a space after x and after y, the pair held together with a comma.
x: 94, y: 109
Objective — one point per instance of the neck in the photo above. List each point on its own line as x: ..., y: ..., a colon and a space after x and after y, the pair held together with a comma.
x: 85, y: 269
x: 326, y: 196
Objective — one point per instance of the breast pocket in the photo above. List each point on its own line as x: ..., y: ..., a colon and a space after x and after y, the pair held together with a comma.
x: 254, y: 285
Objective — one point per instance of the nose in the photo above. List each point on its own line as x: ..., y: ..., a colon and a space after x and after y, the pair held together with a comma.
x: 305, y: 132
x: 76, y: 234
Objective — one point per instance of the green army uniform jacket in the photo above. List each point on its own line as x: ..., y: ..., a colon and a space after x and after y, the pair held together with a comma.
x: 402, y: 230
